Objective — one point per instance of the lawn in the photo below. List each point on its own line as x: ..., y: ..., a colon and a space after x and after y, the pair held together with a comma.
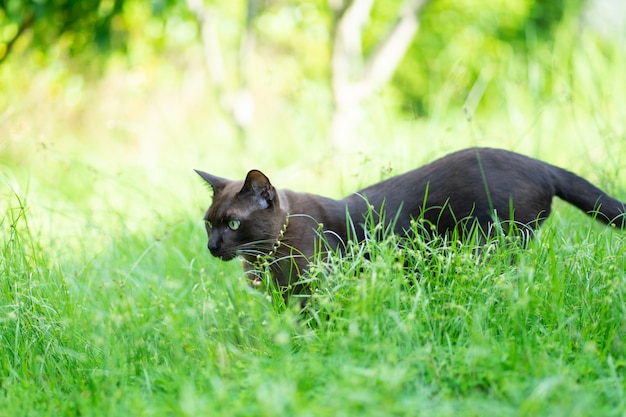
x: 151, y: 326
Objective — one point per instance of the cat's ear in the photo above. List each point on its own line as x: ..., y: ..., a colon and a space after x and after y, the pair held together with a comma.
x: 216, y: 183
x: 258, y: 186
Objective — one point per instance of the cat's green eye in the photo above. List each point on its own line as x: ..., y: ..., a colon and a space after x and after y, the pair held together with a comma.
x: 234, y: 224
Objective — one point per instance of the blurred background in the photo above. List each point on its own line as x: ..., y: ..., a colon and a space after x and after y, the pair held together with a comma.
x: 106, y: 106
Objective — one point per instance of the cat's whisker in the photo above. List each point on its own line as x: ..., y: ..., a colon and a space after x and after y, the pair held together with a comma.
x: 257, y: 243
x: 251, y: 252
x: 306, y: 216
x: 336, y: 236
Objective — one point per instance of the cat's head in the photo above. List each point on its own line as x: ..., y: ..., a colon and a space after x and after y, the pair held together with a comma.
x: 245, y: 216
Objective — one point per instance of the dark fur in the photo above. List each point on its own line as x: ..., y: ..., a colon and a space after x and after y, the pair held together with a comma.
x: 457, y: 192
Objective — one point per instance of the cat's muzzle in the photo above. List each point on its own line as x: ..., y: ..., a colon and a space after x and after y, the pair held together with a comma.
x: 223, y: 255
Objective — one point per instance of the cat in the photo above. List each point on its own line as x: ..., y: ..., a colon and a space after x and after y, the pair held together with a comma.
x: 281, y: 230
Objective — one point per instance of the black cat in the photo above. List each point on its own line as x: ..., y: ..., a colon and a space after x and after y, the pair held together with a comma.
x: 465, y: 191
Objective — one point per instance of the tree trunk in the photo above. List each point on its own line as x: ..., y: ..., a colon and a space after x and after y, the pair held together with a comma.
x: 355, y: 78
x: 26, y: 24
x: 237, y: 102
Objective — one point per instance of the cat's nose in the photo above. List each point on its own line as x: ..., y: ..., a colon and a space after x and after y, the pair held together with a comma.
x: 214, y: 243
x: 213, y: 246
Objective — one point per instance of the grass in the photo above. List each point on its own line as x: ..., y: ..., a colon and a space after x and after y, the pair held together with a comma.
x: 149, y: 327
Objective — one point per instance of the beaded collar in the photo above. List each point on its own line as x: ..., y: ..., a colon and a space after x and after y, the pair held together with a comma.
x: 263, y: 261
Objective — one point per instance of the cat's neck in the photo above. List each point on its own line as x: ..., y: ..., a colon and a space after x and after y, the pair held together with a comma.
x: 317, y: 208
x: 312, y: 216
x: 263, y: 260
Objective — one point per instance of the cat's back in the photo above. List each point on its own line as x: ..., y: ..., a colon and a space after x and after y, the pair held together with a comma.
x: 476, y: 159
x: 459, y: 175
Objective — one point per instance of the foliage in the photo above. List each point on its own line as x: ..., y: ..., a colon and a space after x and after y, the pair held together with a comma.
x: 460, y: 45
x: 148, y: 327
x: 84, y: 30
x: 463, y: 45
x: 79, y: 22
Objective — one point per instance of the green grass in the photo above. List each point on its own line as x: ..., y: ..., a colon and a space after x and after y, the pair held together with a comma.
x: 151, y: 327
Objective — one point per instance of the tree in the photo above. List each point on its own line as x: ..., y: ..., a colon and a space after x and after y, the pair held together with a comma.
x: 354, y: 77
x: 237, y: 102
x: 83, y: 23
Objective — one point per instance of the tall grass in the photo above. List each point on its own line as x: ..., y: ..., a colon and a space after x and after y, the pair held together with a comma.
x: 148, y: 327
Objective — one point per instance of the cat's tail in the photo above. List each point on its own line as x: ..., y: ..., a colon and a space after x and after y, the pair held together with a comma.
x: 589, y: 198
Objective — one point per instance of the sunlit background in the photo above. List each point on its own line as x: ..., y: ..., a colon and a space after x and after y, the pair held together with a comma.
x: 107, y: 106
